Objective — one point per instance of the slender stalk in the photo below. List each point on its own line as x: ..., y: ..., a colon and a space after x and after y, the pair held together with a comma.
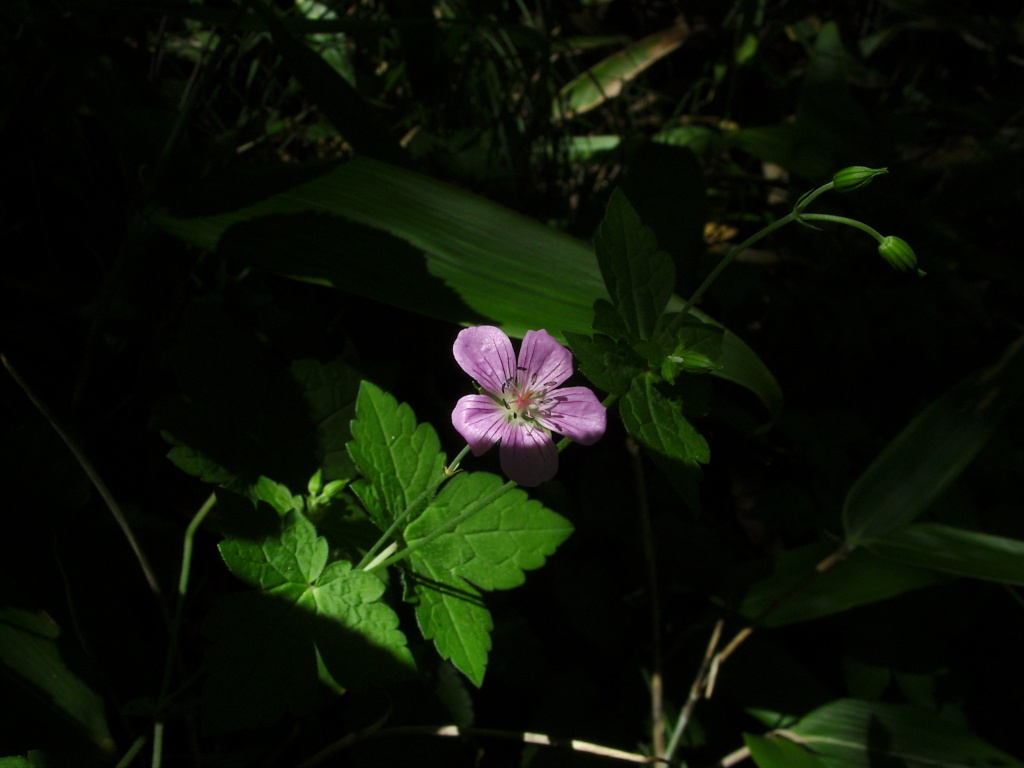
x: 368, y: 558
x: 179, y: 608
x: 727, y: 260
x: 650, y: 562
x: 97, y: 482
x: 842, y: 220
x: 456, y: 731
x: 696, y: 692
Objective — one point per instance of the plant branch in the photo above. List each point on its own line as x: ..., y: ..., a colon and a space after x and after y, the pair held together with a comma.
x: 97, y: 482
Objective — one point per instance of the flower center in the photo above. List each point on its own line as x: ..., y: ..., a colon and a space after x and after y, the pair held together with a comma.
x: 523, y: 399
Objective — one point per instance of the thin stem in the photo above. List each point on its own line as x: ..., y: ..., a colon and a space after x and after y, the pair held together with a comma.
x: 96, y: 480
x: 696, y: 692
x: 172, y: 643
x: 842, y: 220
x: 727, y: 259
x: 368, y: 558
x: 133, y: 750
x: 650, y: 562
x: 456, y: 731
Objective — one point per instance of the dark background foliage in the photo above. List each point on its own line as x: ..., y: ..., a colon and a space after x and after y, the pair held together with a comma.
x: 114, y: 108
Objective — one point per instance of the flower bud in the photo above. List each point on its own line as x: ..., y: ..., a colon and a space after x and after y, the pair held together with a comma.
x: 898, y: 254
x: 855, y: 177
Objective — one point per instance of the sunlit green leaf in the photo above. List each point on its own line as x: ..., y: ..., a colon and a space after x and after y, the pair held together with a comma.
x: 859, y: 734
x: 399, y: 457
x: 451, y: 612
x: 499, y: 266
x: 489, y: 550
x: 932, y: 451
x: 954, y: 550
x: 495, y: 545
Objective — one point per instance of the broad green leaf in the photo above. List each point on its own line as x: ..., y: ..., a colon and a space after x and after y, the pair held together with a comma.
x: 605, y: 79
x: 658, y: 423
x: 779, y: 753
x: 266, y: 550
x: 400, y: 458
x: 954, y: 550
x: 17, y: 762
x: 28, y: 649
x: 911, y: 472
x: 263, y: 662
x: 498, y: 265
x: 610, y: 365
x: 795, y: 593
x: 489, y: 550
x: 857, y: 734
x: 638, y: 276
x: 495, y: 545
x: 452, y: 614
x: 276, y: 495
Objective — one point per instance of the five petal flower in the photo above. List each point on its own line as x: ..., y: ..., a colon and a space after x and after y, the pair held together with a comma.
x: 520, y: 403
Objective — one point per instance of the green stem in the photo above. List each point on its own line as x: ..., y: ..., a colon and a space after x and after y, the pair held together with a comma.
x: 412, y: 506
x: 842, y: 220
x: 732, y: 254
x: 179, y: 609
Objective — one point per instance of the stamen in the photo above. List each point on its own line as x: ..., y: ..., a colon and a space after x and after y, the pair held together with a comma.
x: 533, y: 379
x: 549, y: 383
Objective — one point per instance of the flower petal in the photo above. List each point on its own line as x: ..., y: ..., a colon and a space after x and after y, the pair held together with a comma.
x: 486, y: 354
x: 480, y: 421
x: 527, y: 455
x: 576, y: 413
x: 542, y: 355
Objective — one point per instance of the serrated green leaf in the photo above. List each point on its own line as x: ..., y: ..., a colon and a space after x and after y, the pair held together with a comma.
x: 954, y: 550
x: 779, y: 753
x: 861, y: 579
x: 276, y: 495
x: 932, y: 451
x: 491, y: 549
x: 659, y: 423
x: 638, y: 276
x: 857, y: 734
x: 264, y: 661
x: 451, y: 613
x: 610, y: 365
x: 400, y: 458
x: 494, y: 546
x: 290, y: 554
x: 28, y: 649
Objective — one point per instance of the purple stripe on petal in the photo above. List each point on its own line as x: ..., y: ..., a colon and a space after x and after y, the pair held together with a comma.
x: 480, y: 421
x: 485, y: 353
x: 545, y: 357
x: 576, y: 413
x: 528, y: 456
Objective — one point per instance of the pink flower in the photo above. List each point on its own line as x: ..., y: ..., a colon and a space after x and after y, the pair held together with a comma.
x: 519, y: 404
